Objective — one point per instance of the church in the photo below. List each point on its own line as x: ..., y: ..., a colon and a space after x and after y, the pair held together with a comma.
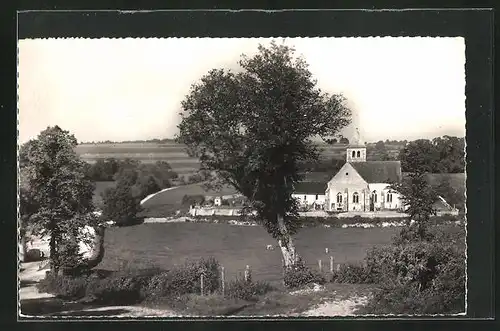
x: 360, y: 185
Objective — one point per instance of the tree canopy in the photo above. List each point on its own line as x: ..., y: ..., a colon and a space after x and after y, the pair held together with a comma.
x: 440, y: 155
x: 253, y: 128
x: 56, y: 194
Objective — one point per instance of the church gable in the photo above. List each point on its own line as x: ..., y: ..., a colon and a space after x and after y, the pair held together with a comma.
x: 348, y: 175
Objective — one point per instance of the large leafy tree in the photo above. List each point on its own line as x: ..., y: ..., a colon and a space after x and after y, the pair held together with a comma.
x: 440, y: 155
x: 56, y: 194
x: 253, y: 128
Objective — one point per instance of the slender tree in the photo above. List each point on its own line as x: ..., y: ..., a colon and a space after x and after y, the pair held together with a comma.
x: 253, y: 127
x: 121, y: 204
x: 56, y: 194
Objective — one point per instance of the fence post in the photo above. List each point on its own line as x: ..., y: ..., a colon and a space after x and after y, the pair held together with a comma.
x: 320, y: 265
x: 201, y: 284
x: 248, y: 274
x: 223, y: 280
x: 331, y: 264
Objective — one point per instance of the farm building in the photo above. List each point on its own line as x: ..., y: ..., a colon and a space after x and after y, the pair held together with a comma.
x: 310, y: 194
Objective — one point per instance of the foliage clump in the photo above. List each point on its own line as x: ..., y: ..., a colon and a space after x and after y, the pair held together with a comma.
x: 300, y: 275
x: 247, y: 290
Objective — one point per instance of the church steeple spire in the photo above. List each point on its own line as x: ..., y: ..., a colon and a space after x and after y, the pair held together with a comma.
x: 356, y: 152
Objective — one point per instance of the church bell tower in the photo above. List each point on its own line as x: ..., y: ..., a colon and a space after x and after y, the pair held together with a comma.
x: 356, y: 151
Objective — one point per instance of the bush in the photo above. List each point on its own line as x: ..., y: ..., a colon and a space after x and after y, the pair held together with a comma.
x: 420, y: 276
x: 66, y: 287
x: 300, y: 275
x: 241, y: 289
x: 118, y: 287
x: 122, y: 287
x: 351, y: 274
x: 185, y: 279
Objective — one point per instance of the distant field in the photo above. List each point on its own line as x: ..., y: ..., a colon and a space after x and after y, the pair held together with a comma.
x: 174, y: 154
x: 166, y: 245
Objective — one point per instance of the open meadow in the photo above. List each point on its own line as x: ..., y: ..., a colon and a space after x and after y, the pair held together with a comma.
x: 167, y: 244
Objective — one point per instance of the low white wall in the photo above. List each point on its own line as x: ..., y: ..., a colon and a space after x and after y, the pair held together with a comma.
x: 214, y: 211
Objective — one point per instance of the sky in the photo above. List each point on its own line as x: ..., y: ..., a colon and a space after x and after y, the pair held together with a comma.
x: 131, y: 89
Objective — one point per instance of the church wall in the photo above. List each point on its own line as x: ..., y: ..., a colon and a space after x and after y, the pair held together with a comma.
x: 346, y: 178
x: 382, y: 190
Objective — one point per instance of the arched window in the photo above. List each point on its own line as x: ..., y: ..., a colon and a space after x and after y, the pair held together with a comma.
x: 389, y: 197
x: 353, y: 154
x: 339, y: 197
x: 355, y: 197
x: 374, y: 196
x: 359, y: 154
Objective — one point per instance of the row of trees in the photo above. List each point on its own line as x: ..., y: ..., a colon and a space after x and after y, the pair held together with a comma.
x: 156, y: 141
x: 107, y: 170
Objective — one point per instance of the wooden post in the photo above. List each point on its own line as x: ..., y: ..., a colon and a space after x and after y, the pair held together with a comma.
x: 331, y: 264
x: 248, y: 274
x: 201, y: 283
x: 223, y: 281
x: 320, y: 265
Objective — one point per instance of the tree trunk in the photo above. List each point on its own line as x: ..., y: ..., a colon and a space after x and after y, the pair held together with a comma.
x: 23, y: 248
x: 53, y: 254
x: 285, y: 242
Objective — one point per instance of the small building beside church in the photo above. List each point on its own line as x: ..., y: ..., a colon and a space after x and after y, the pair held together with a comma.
x: 310, y: 195
x: 362, y: 185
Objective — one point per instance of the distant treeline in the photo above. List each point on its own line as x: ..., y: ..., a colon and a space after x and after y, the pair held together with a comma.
x: 159, y: 174
x: 439, y: 155
x: 155, y: 141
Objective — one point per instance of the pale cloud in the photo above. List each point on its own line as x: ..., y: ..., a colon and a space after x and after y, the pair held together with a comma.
x: 126, y: 89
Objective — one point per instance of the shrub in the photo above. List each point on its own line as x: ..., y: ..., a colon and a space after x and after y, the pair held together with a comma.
x: 445, y: 294
x: 351, y: 274
x: 185, y: 279
x: 420, y: 276
x: 247, y: 290
x: 197, y: 199
x: 66, y: 287
x: 300, y: 275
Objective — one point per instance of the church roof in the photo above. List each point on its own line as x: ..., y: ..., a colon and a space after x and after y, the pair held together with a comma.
x: 379, y: 171
x: 310, y: 188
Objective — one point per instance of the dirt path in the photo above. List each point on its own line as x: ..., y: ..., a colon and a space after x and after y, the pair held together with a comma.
x: 345, y: 307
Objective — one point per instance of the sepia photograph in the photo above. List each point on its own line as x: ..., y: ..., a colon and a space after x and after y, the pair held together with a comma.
x: 241, y: 177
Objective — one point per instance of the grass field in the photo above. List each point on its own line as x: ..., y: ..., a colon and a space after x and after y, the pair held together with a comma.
x: 167, y: 244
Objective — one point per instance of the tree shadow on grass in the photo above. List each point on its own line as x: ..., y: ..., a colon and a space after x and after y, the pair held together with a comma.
x: 57, y: 307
